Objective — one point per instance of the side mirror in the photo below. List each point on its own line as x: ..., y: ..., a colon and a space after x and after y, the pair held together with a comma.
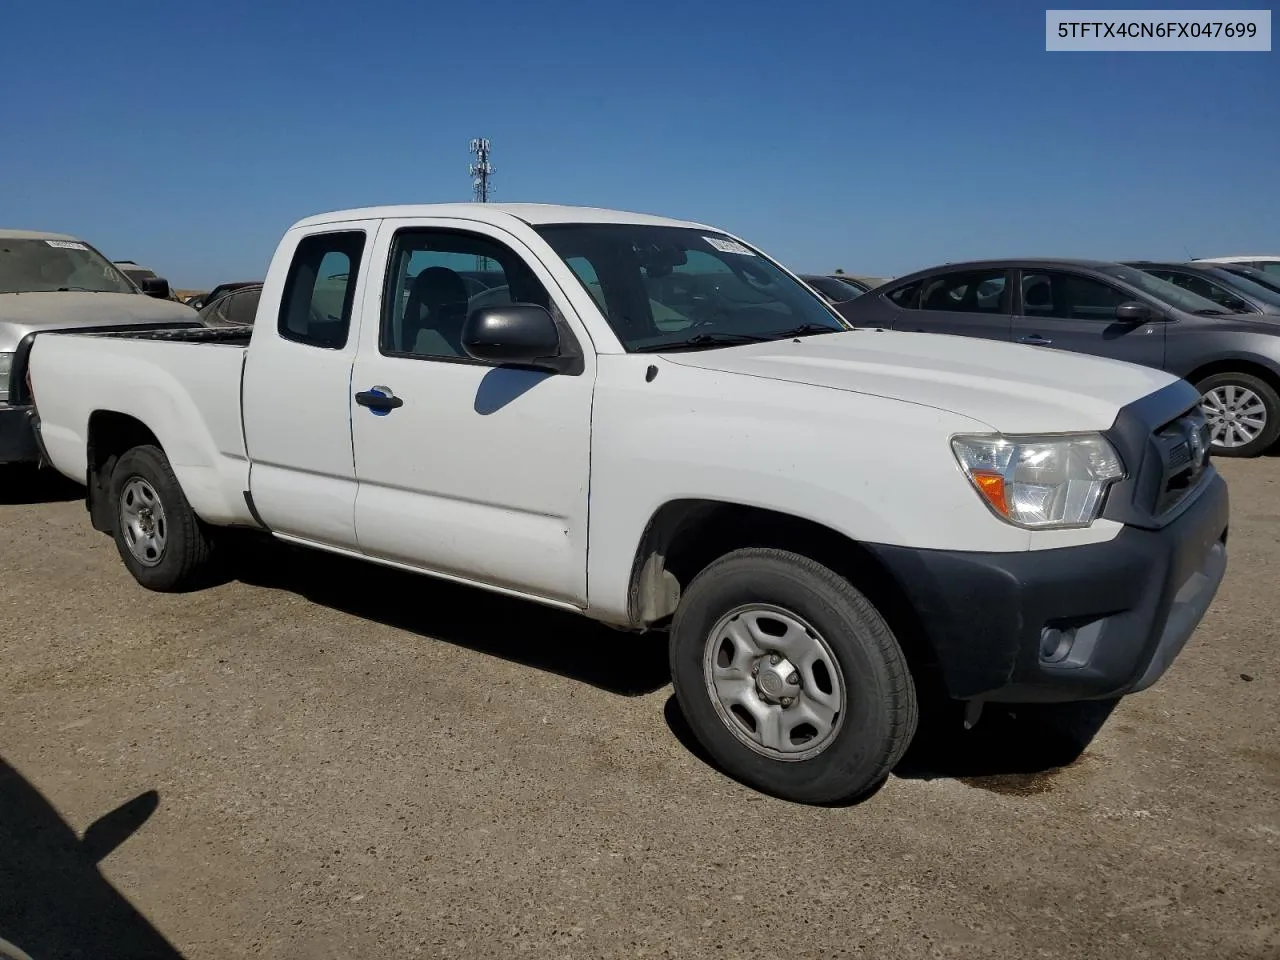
x: 1135, y: 313
x: 157, y: 287
x: 515, y: 335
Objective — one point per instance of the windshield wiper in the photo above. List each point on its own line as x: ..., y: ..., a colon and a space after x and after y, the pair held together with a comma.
x: 704, y: 340
x: 79, y: 290
x: 808, y: 329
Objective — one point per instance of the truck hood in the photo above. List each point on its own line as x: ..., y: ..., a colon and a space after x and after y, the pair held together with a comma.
x: 23, y: 313
x: 1009, y: 387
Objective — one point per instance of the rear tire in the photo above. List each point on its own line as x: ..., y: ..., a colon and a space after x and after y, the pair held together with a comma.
x: 1235, y: 402
x: 164, y: 544
x: 838, y: 665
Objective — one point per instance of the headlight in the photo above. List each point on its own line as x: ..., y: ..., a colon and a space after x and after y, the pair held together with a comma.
x: 6, y: 368
x: 1040, y: 482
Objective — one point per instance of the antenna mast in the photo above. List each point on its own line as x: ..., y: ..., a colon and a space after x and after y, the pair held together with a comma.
x: 481, y: 170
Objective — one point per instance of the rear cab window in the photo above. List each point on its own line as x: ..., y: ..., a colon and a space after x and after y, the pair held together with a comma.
x: 319, y: 290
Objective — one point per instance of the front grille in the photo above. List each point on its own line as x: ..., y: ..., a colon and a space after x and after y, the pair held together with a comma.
x: 1183, y: 447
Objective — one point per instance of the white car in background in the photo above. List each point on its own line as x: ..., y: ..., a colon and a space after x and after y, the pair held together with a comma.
x: 1268, y: 264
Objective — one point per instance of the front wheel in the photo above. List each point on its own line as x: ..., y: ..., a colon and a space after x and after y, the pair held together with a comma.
x: 790, y: 678
x: 161, y: 540
x: 1243, y: 413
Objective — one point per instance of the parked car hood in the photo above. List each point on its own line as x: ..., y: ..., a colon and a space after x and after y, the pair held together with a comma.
x: 22, y: 313
x: 1010, y: 387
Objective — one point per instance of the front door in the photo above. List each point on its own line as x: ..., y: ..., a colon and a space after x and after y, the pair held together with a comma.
x: 1070, y: 311
x: 471, y: 470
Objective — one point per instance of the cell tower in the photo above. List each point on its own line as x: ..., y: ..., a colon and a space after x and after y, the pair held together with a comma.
x: 481, y: 170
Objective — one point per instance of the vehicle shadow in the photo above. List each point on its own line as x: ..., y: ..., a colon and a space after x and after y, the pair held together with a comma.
x: 54, y: 901
x: 1015, y: 751
x: 1010, y: 750
x: 27, y: 485
x: 520, y: 631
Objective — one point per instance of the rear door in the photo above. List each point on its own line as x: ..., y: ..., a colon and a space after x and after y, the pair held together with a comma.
x: 297, y: 384
x: 965, y: 303
x: 1067, y: 310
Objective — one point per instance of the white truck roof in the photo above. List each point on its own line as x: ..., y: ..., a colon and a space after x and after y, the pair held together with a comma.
x: 7, y: 233
x: 497, y: 213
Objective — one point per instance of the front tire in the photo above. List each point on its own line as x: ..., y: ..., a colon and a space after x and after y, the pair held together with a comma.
x: 159, y: 537
x: 790, y: 679
x: 1243, y: 413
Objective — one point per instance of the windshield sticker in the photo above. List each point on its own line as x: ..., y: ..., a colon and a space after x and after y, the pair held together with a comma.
x: 725, y: 245
x: 66, y: 244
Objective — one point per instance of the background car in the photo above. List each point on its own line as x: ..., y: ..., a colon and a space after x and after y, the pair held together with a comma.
x: 835, y: 290
x: 235, y: 308
x: 1107, y: 309
x: 1265, y: 263
x: 200, y: 299
x: 1231, y: 291
x: 146, y: 280
x: 866, y: 283
x: 1269, y: 280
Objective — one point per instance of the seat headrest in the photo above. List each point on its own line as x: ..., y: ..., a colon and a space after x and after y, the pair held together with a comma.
x: 436, y: 286
x: 1039, y: 294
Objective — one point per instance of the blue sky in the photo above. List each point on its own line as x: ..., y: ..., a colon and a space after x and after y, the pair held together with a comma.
x: 876, y: 138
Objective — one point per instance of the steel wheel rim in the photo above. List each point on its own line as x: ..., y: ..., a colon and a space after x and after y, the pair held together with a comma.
x: 143, y: 522
x: 1237, y: 416
x: 790, y: 708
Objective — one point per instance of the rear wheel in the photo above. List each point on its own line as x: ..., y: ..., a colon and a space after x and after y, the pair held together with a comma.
x: 1243, y: 413
x: 161, y: 540
x: 789, y: 677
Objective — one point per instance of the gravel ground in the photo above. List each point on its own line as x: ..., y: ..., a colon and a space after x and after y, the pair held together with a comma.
x: 323, y: 759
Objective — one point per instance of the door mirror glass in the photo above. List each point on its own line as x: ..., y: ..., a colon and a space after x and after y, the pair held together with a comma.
x: 1134, y: 312
x: 517, y: 334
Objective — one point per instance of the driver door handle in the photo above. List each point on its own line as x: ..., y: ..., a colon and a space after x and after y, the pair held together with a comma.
x: 1035, y: 340
x: 378, y: 401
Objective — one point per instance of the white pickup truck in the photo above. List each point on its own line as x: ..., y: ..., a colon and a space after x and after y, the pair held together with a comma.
x: 653, y: 424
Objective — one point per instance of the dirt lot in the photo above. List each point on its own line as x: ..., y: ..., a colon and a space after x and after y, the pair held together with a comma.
x: 324, y: 759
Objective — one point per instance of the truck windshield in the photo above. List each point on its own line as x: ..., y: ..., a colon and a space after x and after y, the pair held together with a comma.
x: 679, y: 288
x: 42, y: 266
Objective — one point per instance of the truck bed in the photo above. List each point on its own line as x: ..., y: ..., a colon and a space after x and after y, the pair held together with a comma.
x: 182, y: 385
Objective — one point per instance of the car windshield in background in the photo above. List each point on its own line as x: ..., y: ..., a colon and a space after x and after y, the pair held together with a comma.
x: 1258, y: 287
x: 30, y: 265
x: 837, y: 290
x: 1164, y: 290
x: 680, y: 288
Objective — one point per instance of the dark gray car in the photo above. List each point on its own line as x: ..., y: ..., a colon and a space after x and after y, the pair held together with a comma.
x: 238, y: 308
x: 1229, y: 290
x: 1106, y: 309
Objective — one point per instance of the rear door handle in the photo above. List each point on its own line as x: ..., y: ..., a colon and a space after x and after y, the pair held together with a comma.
x: 379, y: 399
x: 1035, y: 340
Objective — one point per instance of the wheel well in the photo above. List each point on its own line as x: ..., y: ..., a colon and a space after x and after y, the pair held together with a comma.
x: 110, y: 435
x: 685, y: 536
x: 1263, y: 373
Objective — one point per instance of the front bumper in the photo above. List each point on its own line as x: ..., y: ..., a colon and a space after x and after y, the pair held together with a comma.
x: 18, y: 442
x: 1122, y: 610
